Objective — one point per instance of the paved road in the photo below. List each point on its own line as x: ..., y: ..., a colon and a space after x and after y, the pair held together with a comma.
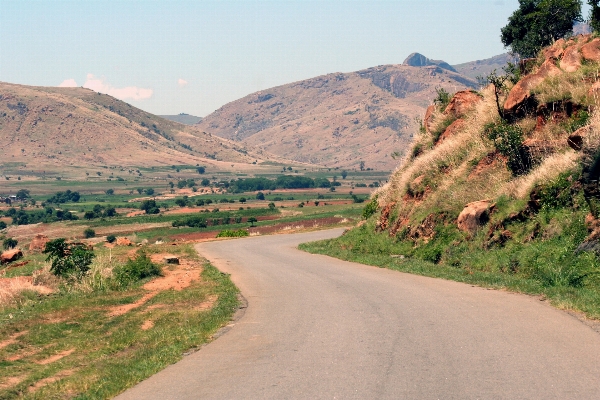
x: 320, y: 328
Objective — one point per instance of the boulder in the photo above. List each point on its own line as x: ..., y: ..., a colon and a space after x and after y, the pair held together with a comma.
x: 591, y: 51
x: 10, y: 256
x: 575, y: 139
x: 123, y: 241
x: 571, y: 60
x: 428, y: 120
x: 39, y: 243
x: 474, y: 215
x: 521, y: 92
x: 555, y: 51
x: 451, y: 130
x: 538, y: 149
x: 461, y: 103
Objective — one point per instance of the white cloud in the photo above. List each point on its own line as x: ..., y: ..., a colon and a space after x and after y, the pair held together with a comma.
x: 68, y: 83
x: 182, y: 82
x: 129, y: 92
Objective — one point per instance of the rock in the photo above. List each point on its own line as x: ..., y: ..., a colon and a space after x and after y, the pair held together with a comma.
x: 575, y: 139
x: 123, y: 241
x: 591, y: 51
x: 474, y: 215
x: 555, y: 51
x: 10, y: 256
x: 172, y: 260
x: 39, y: 243
x: 451, y: 130
x: 538, y: 149
x: 521, y: 92
x: 571, y: 60
x: 428, y: 120
x: 461, y: 103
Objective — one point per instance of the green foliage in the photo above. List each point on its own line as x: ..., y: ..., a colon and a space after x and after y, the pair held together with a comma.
x: 68, y: 259
x: 594, y: 16
x: 252, y: 220
x: 556, y: 194
x: 499, y: 83
x: 111, y: 238
x: 508, y: 140
x: 440, y: 129
x: 260, y: 196
x: 89, y: 233
x: 201, y: 170
x: 538, y: 23
x: 233, y: 233
x: 150, y: 207
x: 2, y: 225
x: 64, y: 197
x: 33, y: 217
x: 578, y: 120
x: 370, y: 208
x: 23, y: 194
x: 442, y: 98
x: 271, y: 206
x: 192, y: 222
x: 9, y: 243
x: 136, y: 269
x: 149, y: 191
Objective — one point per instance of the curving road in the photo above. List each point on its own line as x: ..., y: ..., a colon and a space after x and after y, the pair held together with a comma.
x: 320, y: 328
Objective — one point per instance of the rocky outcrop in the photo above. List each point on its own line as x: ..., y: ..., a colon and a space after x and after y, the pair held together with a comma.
x: 10, y: 256
x: 555, y: 52
x: 428, y: 120
x: 575, y: 139
x: 538, y: 149
x: 419, y: 60
x: 521, y: 92
x: 123, y: 241
x: 462, y: 102
x: 591, y: 51
x: 571, y: 59
x: 451, y: 130
x: 38, y: 244
x: 474, y: 215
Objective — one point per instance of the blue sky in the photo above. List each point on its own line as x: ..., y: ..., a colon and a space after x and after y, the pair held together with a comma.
x: 173, y: 56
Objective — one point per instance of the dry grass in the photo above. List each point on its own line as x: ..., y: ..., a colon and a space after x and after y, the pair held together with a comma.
x: 569, y: 86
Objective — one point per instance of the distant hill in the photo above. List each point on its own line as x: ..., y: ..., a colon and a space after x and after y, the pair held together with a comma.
x: 56, y: 129
x: 339, y: 119
x: 183, y: 118
x: 419, y: 60
x: 477, y: 68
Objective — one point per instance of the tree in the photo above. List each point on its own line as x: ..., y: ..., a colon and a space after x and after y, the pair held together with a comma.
x: 362, y: 165
x: 89, y: 215
x: 260, y: 196
x: 594, y: 17
x: 22, y: 194
x: 271, y: 206
x: 149, y: 191
x: 344, y: 174
x: 110, y: 192
x: 89, y: 233
x: 242, y: 200
x: 181, y: 202
x: 2, y: 225
x: 538, y: 23
x: 201, y: 170
x: 10, y: 243
x: 68, y: 258
x: 150, y: 207
x: 140, y: 190
x: 252, y: 220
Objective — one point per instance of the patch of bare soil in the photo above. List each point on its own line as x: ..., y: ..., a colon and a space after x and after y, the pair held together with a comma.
x: 46, y: 381
x: 148, y: 324
x: 207, y: 304
x: 12, y: 339
x: 195, y: 237
x: 12, y: 381
x: 55, y: 357
x: 297, y: 225
x: 177, y: 278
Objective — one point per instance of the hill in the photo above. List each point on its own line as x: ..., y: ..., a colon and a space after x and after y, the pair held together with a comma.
x: 477, y: 68
x: 501, y: 191
x: 58, y: 129
x: 183, y: 118
x: 339, y: 119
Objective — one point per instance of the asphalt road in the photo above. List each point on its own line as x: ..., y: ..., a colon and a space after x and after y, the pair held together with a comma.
x: 320, y: 328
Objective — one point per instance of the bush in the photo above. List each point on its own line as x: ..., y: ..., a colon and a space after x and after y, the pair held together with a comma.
x: 233, y: 233
x: 9, y: 243
x: 89, y: 233
x: 136, y: 269
x: 111, y: 238
x: 508, y: 140
x: 370, y: 208
x: 68, y: 259
x: 442, y: 98
x: 2, y: 225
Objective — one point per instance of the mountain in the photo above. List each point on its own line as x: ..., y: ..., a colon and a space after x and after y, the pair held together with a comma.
x: 183, y: 118
x: 55, y: 129
x: 482, y: 68
x: 419, y: 60
x: 339, y: 119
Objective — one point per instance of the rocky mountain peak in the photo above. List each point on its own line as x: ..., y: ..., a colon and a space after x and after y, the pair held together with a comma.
x: 419, y: 60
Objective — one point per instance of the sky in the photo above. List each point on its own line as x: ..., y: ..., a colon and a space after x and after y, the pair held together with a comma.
x: 176, y: 56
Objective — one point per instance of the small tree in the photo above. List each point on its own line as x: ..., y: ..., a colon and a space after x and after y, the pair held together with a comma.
x: 252, y: 220
x: 68, y: 259
x: 594, y: 17
x: 2, y: 225
x: 10, y: 243
x: 344, y: 174
x: 260, y: 196
x: 362, y: 165
x: 201, y: 170
x: 110, y: 192
x: 149, y: 191
x: 271, y: 206
x: 22, y: 194
x: 242, y: 200
x: 111, y: 238
x: 150, y: 207
x: 89, y: 233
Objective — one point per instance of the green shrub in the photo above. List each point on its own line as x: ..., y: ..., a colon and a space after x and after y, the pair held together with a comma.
x: 233, y: 233
x: 508, y: 140
x: 438, y: 131
x: 442, y: 98
x: 370, y: 208
x: 111, y: 238
x: 9, y: 243
x: 89, y: 233
x: 2, y: 225
x: 68, y: 259
x: 136, y: 269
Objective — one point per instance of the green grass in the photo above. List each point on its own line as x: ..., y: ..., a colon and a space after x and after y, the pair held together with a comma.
x: 109, y: 354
